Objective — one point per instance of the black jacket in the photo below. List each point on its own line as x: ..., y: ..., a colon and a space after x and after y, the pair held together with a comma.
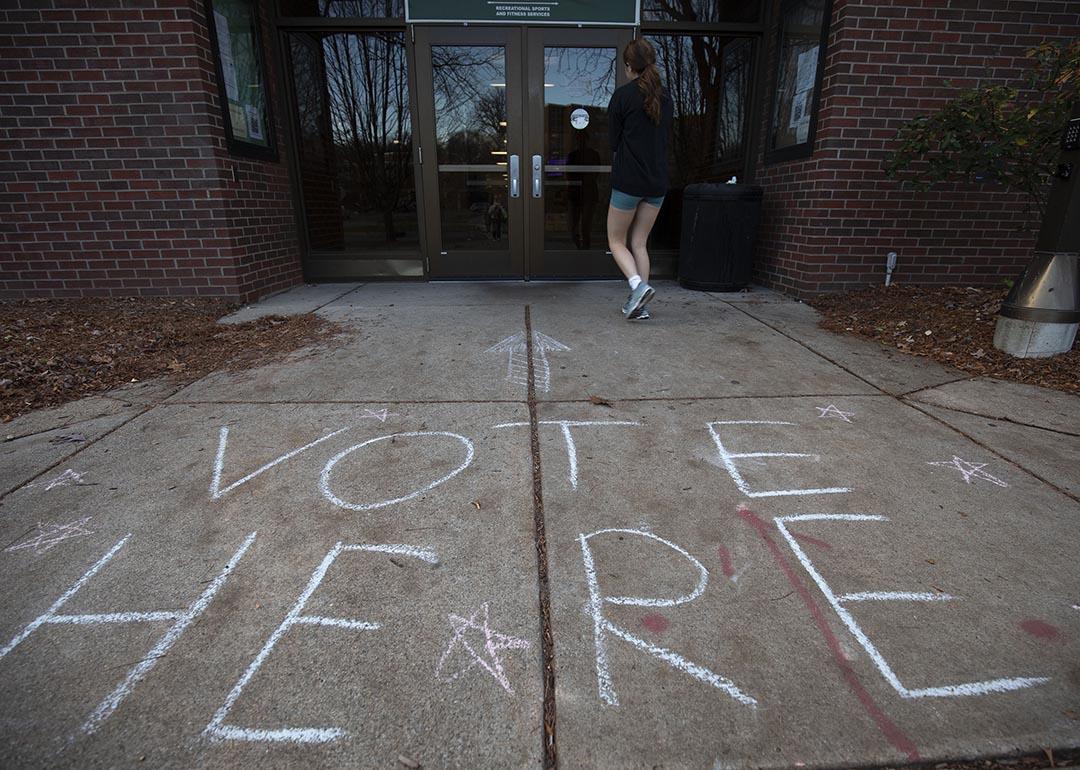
x: 638, y: 146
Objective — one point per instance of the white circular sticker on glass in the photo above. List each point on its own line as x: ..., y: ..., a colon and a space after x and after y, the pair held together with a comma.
x: 579, y: 118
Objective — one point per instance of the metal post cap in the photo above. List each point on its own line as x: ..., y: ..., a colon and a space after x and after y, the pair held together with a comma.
x: 1048, y: 291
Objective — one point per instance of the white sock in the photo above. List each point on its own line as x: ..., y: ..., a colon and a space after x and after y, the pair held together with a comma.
x: 635, y: 281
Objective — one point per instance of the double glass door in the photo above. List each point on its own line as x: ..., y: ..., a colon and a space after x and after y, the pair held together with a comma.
x: 515, y: 161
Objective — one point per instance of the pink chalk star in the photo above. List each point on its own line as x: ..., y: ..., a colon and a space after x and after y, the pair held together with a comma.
x: 833, y: 411
x: 494, y: 642
x: 970, y: 470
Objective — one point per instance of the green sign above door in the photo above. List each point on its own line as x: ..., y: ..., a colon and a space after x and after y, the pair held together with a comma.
x: 605, y: 12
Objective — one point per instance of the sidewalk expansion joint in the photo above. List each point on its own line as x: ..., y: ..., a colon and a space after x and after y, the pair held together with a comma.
x: 82, y: 447
x: 915, y: 406
x: 999, y: 418
x: 918, y: 408
x: 678, y: 399
x: 925, y: 388
x: 547, y: 644
x: 338, y: 402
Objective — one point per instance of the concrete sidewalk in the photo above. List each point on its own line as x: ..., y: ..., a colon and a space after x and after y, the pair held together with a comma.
x: 760, y: 545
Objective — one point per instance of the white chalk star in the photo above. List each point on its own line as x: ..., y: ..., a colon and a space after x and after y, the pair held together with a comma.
x: 64, y: 479
x: 832, y: 411
x: 970, y: 470
x: 67, y: 477
x: 493, y: 643
x: 378, y: 414
x: 51, y: 534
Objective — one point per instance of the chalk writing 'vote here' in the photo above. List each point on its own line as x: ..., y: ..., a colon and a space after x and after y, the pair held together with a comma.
x: 605, y: 631
x: 726, y: 458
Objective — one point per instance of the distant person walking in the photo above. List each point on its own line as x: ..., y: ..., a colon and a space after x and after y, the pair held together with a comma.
x: 639, y: 116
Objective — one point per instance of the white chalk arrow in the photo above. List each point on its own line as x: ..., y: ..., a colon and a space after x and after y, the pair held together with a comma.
x: 517, y: 365
x: 541, y: 345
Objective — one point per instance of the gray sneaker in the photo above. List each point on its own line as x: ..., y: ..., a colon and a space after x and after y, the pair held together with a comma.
x: 638, y: 298
x: 641, y: 314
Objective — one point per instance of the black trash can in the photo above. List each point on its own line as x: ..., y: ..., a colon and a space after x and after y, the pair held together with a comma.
x: 719, y: 228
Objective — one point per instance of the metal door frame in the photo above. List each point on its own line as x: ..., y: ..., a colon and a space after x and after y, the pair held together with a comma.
x: 542, y: 263
x: 463, y: 264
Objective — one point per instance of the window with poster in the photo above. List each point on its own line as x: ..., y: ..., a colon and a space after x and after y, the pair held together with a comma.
x: 802, y: 32
x: 234, y: 30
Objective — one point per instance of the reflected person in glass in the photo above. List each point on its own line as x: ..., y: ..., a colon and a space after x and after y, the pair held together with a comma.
x: 639, y: 120
x: 582, y: 194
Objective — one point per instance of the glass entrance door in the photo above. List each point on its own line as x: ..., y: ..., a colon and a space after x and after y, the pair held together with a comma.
x: 514, y: 149
x: 470, y: 97
x: 572, y: 74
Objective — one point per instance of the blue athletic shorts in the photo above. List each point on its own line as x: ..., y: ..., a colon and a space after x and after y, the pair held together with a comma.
x: 624, y: 202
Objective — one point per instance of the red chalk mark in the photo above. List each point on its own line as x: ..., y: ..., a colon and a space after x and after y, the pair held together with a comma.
x: 655, y: 622
x: 892, y: 733
x: 725, y: 561
x: 1040, y: 629
x: 810, y: 540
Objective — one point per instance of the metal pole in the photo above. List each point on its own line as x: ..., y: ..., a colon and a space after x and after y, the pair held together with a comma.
x: 1041, y: 315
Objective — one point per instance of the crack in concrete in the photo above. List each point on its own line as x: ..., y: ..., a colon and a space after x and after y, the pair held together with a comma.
x: 915, y: 405
x: 547, y: 643
x: 925, y: 388
x: 998, y: 418
x: 470, y: 402
x: 287, y: 402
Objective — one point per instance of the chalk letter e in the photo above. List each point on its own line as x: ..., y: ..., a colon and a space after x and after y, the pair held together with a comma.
x: 729, y: 458
x: 217, y: 729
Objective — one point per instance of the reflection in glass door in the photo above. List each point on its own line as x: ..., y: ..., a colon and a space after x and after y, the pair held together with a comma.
x: 572, y: 75
x: 469, y: 103
x: 354, y: 152
x: 509, y: 197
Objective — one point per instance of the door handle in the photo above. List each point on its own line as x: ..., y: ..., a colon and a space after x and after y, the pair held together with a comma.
x: 515, y: 176
x: 537, y: 170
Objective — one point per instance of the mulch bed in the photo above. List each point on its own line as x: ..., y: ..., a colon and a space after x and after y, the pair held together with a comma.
x: 952, y: 325
x: 57, y: 350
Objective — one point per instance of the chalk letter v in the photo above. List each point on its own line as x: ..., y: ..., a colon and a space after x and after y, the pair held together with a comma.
x: 219, y: 461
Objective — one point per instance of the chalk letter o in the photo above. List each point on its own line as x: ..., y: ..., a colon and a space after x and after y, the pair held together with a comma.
x: 324, y: 478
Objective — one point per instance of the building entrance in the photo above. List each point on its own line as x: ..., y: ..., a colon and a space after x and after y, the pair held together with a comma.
x: 481, y: 151
x: 513, y: 146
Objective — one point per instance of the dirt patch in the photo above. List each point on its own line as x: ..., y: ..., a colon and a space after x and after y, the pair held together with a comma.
x: 952, y: 325
x: 57, y: 350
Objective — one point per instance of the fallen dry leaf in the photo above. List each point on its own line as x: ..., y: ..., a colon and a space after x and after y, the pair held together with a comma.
x: 598, y: 401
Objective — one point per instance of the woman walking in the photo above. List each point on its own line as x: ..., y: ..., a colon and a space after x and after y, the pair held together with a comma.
x: 639, y: 116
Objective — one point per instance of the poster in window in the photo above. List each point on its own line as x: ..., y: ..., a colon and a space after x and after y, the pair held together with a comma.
x: 802, y: 33
x: 242, y: 75
x: 806, y: 70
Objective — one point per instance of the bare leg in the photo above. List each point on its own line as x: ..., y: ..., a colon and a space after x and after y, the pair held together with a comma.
x: 644, y: 219
x: 618, y: 224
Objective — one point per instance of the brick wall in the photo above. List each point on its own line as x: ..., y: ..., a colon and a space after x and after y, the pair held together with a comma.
x: 830, y: 219
x: 116, y: 176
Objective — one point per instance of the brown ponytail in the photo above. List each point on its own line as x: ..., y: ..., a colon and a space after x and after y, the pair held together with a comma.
x: 640, y: 56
